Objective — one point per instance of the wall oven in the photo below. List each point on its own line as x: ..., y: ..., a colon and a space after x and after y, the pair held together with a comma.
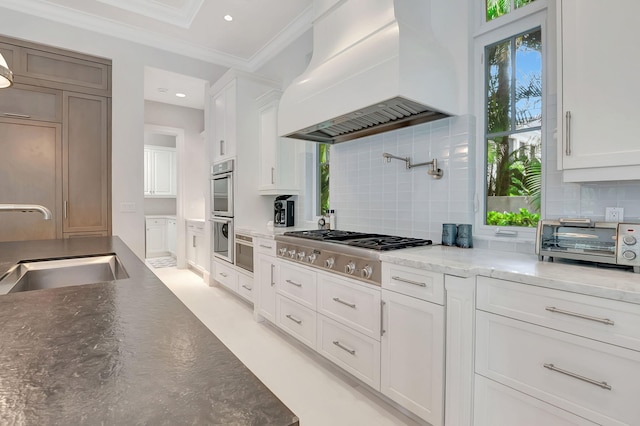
x: 222, y: 189
x: 244, y: 251
x: 222, y: 241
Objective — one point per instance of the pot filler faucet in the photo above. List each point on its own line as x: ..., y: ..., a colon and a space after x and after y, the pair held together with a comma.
x: 433, y: 171
x: 27, y: 208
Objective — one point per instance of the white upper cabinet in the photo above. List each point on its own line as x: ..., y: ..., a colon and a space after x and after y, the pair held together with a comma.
x: 159, y: 171
x: 598, y: 90
x: 278, y: 165
x: 224, y: 119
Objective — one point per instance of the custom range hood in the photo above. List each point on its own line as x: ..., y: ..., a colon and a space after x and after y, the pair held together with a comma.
x: 376, y: 67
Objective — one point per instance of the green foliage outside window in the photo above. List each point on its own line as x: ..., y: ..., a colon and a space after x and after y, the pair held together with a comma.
x: 323, y: 178
x: 497, y: 8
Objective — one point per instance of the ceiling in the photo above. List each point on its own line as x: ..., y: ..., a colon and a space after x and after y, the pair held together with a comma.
x: 259, y: 30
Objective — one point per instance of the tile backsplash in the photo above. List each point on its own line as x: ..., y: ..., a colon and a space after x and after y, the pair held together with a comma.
x: 373, y: 196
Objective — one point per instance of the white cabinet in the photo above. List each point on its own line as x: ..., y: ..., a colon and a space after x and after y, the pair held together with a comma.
x: 278, y: 165
x: 598, y: 90
x: 196, y: 247
x: 246, y: 286
x: 224, y: 120
x: 172, y: 235
x: 156, y: 237
x: 412, y: 358
x: 159, y: 171
x: 265, y: 275
x: 225, y: 274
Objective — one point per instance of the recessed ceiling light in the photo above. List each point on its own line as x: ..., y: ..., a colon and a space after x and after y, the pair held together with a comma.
x: 181, y: 95
x: 162, y: 89
x: 228, y: 18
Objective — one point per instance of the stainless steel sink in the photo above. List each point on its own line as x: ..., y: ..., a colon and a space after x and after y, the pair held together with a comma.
x: 54, y: 273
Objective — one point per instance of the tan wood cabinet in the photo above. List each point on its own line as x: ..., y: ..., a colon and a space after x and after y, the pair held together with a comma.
x: 31, y: 103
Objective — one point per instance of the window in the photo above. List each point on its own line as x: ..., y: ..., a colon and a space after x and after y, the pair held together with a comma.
x: 496, y: 8
x: 322, y: 190
x: 513, y: 129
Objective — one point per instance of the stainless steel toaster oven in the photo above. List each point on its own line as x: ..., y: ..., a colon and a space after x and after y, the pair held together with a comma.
x: 582, y: 239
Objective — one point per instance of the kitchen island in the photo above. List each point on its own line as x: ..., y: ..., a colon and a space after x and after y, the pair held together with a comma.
x: 120, y: 352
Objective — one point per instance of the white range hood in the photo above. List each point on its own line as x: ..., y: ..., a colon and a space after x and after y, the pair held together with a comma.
x: 376, y: 66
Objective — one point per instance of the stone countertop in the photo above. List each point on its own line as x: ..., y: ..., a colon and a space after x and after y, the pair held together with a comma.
x: 120, y: 352
x: 606, y: 282
x: 160, y: 216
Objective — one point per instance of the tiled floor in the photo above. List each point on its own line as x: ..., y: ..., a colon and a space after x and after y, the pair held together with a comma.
x: 317, y: 392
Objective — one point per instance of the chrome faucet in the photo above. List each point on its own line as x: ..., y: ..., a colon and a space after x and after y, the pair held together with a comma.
x: 27, y: 208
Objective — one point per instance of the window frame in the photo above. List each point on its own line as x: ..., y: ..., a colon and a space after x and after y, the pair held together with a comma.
x: 512, y: 24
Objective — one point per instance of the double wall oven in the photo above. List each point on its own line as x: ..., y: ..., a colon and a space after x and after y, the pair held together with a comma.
x: 222, y: 245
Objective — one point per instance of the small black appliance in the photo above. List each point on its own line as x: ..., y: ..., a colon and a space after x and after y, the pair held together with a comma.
x: 283, y: 214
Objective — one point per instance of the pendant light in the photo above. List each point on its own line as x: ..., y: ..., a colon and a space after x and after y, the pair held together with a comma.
x: 6, y: 76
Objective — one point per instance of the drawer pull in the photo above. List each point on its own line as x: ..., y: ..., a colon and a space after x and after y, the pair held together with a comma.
x: 267, y: 247
x: 294, y: 283
x: 272, y: 281
x: 223, y: 274
x: 382, y: 330
x: 344, y: 348
x: 575, y: 314
x: 297, y: 321
x: 247, y: 288
x: 404, y: 280
x: 351, y: 305
x: 12, y: 114
x: 603, y: 385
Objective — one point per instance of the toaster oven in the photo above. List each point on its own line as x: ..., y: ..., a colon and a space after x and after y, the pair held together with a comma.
x: 582, y: 239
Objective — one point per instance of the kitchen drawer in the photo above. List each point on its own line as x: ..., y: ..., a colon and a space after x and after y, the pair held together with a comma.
x: 265, y: 246
x: 156, y: 222
x: 355, y: 305
x: 195, y: 225
x: 295, y: 319
x: 245, y: 286
x: 515, y: 354
x: 226, y: 275
x: 499, y: 405
x: 33, y: 103
x: 298, y: 284
x: 354, y: 352
x: 606, y: 320
x: 414, y: 282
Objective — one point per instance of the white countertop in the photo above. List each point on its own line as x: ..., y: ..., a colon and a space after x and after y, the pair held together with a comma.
x: 523, y: 268
x: 160, y: 216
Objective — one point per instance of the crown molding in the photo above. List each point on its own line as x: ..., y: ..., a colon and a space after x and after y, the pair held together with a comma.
x: 181, y: 17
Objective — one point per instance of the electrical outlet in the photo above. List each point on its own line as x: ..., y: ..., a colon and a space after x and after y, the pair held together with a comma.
x: 613, y: 214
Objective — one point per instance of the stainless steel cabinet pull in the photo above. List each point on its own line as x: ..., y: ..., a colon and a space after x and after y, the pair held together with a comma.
x: 568, y: 132
x: 221, y: 146
x: 65, y: 209
x: 404, y: 280
x: 272, y: 178
x: 294, y: 283
x: 267, y: 247
x: 351, y: 305
x: 272, y: 280
x: 223, y: 274
x: 245, y: 287
x: 344, y: 348
x: 194, y: 240
x: 603, y: 385
x: 297, y: 321
x: 575, y: 314
x: 11, y: 114
x: 382, y: 330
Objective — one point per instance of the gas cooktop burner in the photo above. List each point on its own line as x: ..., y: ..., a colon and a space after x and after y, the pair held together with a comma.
x: 360, y: 239
x: 328, y: 234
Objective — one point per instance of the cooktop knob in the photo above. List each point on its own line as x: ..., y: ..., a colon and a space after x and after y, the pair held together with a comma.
x: 350, y: 268
x: 312, y: 257
x: 629, y: 240
x: 300, y: 255
x: 330, y: 262
x: 292, y: 253
x: 283, y: 251
x: 629, y: 255
x: 366, y: 272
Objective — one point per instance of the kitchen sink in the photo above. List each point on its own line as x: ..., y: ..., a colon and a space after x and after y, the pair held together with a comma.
x: 54, y: 273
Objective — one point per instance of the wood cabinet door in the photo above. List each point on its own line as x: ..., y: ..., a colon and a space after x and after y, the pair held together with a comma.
x: 86, y: 152
x: 30, y: 173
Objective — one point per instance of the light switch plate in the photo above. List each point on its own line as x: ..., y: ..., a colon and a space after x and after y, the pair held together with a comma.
x: 614, y: 214
x: 127, y: 207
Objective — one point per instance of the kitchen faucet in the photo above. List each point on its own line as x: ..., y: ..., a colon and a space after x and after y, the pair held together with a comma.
x: 27, y: 208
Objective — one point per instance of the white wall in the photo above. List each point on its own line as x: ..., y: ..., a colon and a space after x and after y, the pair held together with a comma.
x: 129, y: 60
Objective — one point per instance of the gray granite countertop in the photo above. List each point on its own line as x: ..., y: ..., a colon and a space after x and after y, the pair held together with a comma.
x: 603, y: 282
x: 122, y: 352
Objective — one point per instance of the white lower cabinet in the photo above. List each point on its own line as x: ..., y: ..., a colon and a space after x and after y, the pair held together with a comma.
x: 226, y: 275
x: 156, y: 237
x: 245, y: 286
x: 412, y: 372
x: 297, y: 320
x: 197, y: 254
x: 266, y: 277
x: 172, y: 236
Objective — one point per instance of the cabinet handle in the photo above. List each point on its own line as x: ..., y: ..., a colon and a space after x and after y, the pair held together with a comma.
x: 344, y: 348
x: 266, y: 247
x: 221, y: 146
x: 567, y: 123
x: 11, y: 114
x: 223, y: 274
x: 382, y: 330
x: 351, y: 305
x: 603, y: 385
x: 248, y: 288
x: 297, y: 321
x: 273, y: 181
x: 65, y: 209
x: 404, y: 280
x: 606, y: 321
x: 272, y: 281
x: 194, y: 240
x: 294, y: 283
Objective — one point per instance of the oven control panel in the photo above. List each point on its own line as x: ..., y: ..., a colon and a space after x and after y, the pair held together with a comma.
x: 628, y: 245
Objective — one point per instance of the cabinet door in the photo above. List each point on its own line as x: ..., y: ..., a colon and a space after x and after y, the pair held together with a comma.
x: 599, y: 84
x: 30, y: 173
x: 191, y: 247
x: 163, y: 172
x: 85, y: 163
x: 172, y: 236
x: 29, y: 102
x: 267, y: 271
x: 148, y: 168
x: 413, y: 355
x: 201, y: 251
x: 156, y: 237
x: 224, y: 110
x: 268, y: 138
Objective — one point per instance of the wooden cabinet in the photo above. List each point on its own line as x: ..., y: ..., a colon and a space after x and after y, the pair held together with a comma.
x: 196, y: 248
x: 32, y: 103
x: 278, y: 165
x: 597, y: 103
x: 160, y: 172
x: 266, y: 276
x: 224, y: 119
x: 156, y: 237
